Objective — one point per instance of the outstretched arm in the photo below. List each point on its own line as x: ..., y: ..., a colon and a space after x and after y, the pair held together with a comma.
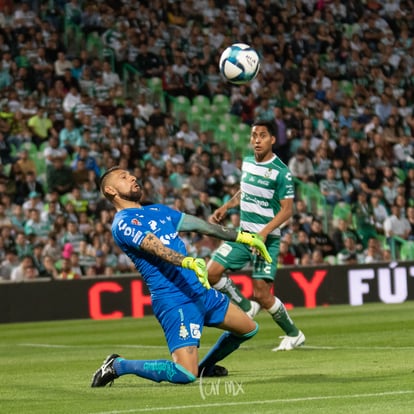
x: 152, y: 244
x: 192, y: 223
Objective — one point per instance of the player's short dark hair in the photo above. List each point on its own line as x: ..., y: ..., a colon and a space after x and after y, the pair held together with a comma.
x: 269, y: 125
x: 103, y: 177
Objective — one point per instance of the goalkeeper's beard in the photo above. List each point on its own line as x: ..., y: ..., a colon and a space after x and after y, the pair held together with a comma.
x: 131, y: 195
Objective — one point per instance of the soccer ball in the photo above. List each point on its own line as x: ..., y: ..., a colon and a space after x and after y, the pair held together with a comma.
x: 239, y: 63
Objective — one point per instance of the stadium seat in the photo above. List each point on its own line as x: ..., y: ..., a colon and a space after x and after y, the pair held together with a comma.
x: 243, y: 129
x: 365, y: 231
x: 207, y: 122
x: 195, y: 113
x: 41, y: 170
x: 155, y: 86
x: 382, y: 240
x: 13, y: 150
x: 240, y: 144
x: 180, y: 107
x: 40, y: 165
x: 43, y: 146
x: 72, y: 35
x: 224, y: 122
x: 64, y: 198
x: 7, y: 169
x: 223, y: 133
x: 315, y: 202
x: 31, y: 149
x: 216, y: 111
x: 230, y: 119
x: 202, y: 102
x: 108, y: 54
x: 222, y: 101
x: 400, y: 173
x: 94, y: 45
x: 346, y: 87
x: 407, y: 250
x: 342, y: 211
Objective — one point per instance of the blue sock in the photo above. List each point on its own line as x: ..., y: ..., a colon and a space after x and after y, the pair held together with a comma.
x: 226, y: 344
x: 155, y: 370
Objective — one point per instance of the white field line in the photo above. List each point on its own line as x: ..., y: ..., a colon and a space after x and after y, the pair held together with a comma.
x: 396, y: 348
x: 305, y: 347
x: 39, y: 345
x: 255, y: 403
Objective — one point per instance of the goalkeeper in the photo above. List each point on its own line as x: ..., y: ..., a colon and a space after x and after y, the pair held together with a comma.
x: 182, y: 299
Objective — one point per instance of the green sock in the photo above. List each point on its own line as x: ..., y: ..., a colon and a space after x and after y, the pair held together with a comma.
x: 228, y: 287
x: 282, y: 318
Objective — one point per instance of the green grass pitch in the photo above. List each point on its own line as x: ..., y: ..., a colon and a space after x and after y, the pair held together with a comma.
x: 355, y: 360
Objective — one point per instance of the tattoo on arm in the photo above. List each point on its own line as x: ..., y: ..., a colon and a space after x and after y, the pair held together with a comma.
x: 153, y: 245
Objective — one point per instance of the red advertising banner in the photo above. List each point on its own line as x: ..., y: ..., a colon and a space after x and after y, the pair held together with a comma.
x: 128, y: 296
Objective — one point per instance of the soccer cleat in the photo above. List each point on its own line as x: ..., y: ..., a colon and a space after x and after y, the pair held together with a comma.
x: 290, y: 342
x: 214, y: 371
x: 254, y: 309
x: 106, y: 373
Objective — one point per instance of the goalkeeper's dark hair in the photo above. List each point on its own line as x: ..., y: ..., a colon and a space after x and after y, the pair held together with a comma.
x: 269, y: 125
x: 103, y: 178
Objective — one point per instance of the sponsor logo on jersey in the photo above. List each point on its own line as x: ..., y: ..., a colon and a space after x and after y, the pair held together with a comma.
x: 167, y: 237
x: 224, y: 250
x: 263, y: 182
x: 250, y: 199
x: 268, y: 173
x: 260, y: 170
x: 137, y: 236
x: 126, y: 229
x: 153, y: 225
x: 183, y: 334
x: 195, y: 330
x: 136, y: 222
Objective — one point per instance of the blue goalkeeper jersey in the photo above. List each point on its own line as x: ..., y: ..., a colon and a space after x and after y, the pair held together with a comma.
x: 164, y: 280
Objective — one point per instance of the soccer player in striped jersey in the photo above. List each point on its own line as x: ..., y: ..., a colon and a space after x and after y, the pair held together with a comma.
x: 265, y: 199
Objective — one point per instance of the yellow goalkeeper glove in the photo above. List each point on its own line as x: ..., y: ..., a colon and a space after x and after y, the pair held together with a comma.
x: 199, y: 267
x: 254, y: 240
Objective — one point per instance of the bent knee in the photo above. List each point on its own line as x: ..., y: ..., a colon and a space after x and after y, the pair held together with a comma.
x: 263, y: 295
x: 253, y: 332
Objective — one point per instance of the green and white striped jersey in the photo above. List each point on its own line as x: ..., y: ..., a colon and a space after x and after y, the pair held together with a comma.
x: 263, y: 186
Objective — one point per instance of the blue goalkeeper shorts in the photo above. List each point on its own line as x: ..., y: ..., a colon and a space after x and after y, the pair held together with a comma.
x: 183, y: 323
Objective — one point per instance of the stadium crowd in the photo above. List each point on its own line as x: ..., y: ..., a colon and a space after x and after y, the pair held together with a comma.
x: 337, y: 78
